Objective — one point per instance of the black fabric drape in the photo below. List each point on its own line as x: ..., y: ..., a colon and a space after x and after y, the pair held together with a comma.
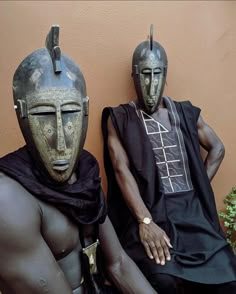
x: 188, y: 118
x: 82, y: 201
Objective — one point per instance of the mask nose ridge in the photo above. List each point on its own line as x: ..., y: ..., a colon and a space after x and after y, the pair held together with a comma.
x: 61, y: 143
x: 152, y: 85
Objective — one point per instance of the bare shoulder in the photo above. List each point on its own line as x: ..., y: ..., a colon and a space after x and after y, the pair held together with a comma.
x: 19, y: 213
x: 27, y: 264
x: 110, y: 126
x: 207, y: 136
x: 112, y: 135
x: 201, y: 122
x: 203, y: 125
x: 13, y: 194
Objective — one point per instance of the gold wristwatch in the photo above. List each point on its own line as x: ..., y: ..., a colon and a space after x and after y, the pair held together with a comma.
x: 146, y: 220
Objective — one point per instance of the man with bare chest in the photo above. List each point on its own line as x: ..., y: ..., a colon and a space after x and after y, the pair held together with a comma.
x: 158, y: 179
x: 55, y: 237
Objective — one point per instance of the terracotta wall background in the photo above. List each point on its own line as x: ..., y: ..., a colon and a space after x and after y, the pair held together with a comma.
x: 199, y: 38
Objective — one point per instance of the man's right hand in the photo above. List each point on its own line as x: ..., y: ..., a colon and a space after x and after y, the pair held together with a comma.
x: 154, y: 239
x: 155, y: 242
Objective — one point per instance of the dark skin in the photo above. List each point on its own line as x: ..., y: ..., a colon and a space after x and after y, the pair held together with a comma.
x: 39, y: 248
x: 155, y: 241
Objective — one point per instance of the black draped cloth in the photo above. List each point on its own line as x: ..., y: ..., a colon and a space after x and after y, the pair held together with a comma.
x: 82, y: 201
x: 200, y: 252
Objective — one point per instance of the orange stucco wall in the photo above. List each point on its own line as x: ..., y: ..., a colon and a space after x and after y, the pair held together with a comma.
x: 199, y: 37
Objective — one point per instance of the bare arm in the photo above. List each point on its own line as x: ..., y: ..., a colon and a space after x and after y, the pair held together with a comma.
x: 213, y: 145
x: 26, y: 263
x: 153, y: 238
x: 123, y: 272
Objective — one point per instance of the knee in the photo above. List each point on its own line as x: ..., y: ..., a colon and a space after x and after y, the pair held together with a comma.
x: 163, y: 283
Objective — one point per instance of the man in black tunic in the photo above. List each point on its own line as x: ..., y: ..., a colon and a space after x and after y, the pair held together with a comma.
x: 52, y: 207
x: 159, y: 195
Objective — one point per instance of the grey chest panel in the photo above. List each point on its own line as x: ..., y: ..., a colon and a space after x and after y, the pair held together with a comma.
x: 169, y: 150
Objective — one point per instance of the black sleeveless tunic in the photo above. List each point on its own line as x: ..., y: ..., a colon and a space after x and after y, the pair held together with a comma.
x: 178, y: 195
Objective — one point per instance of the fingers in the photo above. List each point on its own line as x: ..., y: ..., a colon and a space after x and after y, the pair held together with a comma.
x: 147, y: 249
x: 167, y: 241
x: 165, y: 249
x: 158, y: 250
x: 156, y: 243
x: 160, y: 258
x: 154, y: 248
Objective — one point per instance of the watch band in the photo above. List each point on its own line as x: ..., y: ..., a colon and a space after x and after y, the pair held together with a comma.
x: 146, y: 220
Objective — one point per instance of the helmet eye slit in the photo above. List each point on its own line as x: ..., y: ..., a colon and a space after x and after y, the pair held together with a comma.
x: 70, y: 111
x: 42, y: 113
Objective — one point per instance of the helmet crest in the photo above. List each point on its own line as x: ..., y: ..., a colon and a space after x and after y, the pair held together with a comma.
x: 52, y: 44
x: 151, y: 37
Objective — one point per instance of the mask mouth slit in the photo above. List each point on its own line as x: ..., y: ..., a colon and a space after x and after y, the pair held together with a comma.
x: 60, y: 164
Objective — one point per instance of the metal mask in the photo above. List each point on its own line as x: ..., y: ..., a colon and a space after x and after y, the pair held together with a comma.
x: 149, y: 70
x: 52, y: 108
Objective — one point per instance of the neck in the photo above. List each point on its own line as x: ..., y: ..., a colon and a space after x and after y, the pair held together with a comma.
x: 161, y: 104
x: 72, y: 179
x: 140, y: 105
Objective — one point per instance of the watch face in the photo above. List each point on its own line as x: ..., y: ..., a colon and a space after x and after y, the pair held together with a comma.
x: 147, y: 220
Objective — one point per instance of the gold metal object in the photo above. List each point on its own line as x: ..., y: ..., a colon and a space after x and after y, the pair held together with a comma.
x: 91, y: 251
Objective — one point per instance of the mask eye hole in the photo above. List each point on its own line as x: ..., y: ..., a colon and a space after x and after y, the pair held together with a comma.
x: 70, y: 111
x: 42, y: 113
x: 42, y: 110
x: 146, y: 71
x: 70, y: 108
x: 157, y: 71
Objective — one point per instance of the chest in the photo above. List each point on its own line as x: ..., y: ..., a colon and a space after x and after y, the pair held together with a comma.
x: 162, y: 116
x: 166, y: 138
x: 58, y: 231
